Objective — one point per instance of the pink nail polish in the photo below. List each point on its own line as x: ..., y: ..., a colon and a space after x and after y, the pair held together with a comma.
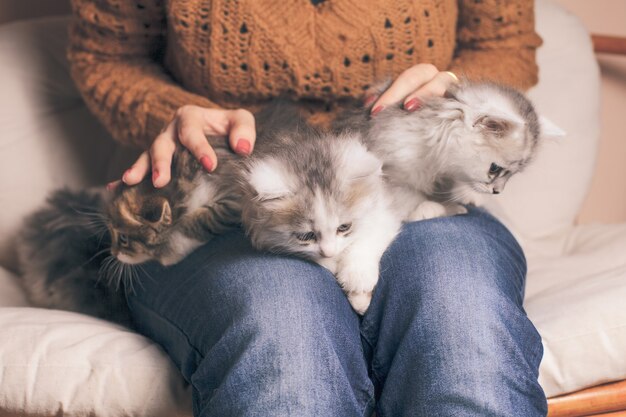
x: 413, y: 104
x: 376, y: 110
x: 155, y: 176
x: 125, y: 174
x: 243, y: 147
x: 369, y: 100
x: 206, y: 163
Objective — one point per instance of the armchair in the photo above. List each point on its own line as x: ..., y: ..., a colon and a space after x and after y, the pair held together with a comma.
x: 55, y: 363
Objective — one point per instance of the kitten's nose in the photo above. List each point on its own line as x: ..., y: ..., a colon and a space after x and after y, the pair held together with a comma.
x: 328, y: 250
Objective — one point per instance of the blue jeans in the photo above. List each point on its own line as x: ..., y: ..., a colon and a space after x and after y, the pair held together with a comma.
x: 263, y: 335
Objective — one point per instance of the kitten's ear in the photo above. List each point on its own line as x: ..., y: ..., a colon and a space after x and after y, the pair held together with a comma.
x: 166, y: 213
x: 357, y: 162
x: 269, y: 178
x: 494, y: 125
x: 549, y: 130
x: 157, y: 210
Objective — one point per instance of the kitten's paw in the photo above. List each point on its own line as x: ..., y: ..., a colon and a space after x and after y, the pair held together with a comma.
x: 455, y: 209
x: 358, y: 277
x: 427, y: 210
x: 360, y: 301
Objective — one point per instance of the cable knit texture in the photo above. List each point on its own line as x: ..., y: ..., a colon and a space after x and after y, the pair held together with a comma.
x: 137, y: 61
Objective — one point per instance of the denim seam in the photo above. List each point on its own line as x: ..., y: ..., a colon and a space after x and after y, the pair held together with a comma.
x: 369, y: 407
x: 372, y: 349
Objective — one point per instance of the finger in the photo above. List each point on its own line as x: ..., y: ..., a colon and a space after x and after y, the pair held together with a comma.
x: 434, y: 88
x: 373, y: 93
x: 161, y: 154
x: 407, y: 82
x: 191, y: 135
x: 138, y: 170
x: 113, y: 185
x: 369, y: 100
x: 242, y: 135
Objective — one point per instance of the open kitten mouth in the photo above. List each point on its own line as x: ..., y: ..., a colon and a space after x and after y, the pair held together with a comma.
x: 130, y: 260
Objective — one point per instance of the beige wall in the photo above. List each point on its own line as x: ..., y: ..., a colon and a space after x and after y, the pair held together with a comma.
x: 607, y: 199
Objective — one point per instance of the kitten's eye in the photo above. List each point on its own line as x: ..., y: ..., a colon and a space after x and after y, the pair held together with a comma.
x: 123, y: 239
x: 305, y: 237
x: 495, y: 169
x: 344, y: 228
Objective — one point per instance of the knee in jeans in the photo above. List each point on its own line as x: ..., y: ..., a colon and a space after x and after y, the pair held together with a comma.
x: 285, y: 297
x: 449, y: 254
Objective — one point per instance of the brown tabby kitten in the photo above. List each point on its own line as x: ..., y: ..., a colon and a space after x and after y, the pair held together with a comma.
x: 83, y: 247
x: 77, y: 252
x: 166, y: 224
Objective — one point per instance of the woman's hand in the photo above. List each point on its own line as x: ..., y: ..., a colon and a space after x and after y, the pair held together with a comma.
x: 190, y: 126
x: 413, y: 86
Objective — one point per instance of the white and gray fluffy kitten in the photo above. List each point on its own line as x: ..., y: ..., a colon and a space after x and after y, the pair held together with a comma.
x: 320, y: 197
x: 454, y: 148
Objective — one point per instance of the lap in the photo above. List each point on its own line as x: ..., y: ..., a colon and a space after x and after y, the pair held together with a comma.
x: 227, y: 280
x: 455, y: 254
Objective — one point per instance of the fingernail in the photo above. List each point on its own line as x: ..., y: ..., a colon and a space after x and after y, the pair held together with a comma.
x: 413, y: 104
x: 155, y: 176
x: 243, y: 147
x: 125, y: 175
x: 207, y: 163
x: 376, y: 110
x: 369, y: 100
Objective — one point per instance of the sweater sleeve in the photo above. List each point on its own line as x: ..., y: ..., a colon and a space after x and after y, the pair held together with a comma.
x: 496, y: 41
x: 115, y: 50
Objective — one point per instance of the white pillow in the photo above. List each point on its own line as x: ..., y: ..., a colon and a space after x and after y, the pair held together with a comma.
x: 62, y: 363
x: 576, y: 301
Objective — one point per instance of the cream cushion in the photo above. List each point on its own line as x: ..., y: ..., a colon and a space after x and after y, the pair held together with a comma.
x: 67, y: 364
x: 576, y: 301
x: 59, y: 363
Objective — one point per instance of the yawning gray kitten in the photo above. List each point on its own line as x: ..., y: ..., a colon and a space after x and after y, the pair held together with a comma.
x: 453, y: 148
x: 320, y: 197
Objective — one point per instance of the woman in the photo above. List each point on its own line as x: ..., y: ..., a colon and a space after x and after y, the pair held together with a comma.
x: 256, y: 334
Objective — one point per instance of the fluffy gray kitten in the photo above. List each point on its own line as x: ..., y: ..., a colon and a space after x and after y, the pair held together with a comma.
x: 320, y: 197
x: 471, y: 141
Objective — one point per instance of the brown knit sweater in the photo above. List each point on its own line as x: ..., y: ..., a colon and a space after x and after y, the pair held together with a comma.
x: 137, y: 61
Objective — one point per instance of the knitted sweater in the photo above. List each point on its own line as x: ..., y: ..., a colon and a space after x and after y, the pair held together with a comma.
x: 136, y: 61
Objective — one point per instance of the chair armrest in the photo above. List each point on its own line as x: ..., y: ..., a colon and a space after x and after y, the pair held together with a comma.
x: 604, y: 44
x: 592, y: 401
